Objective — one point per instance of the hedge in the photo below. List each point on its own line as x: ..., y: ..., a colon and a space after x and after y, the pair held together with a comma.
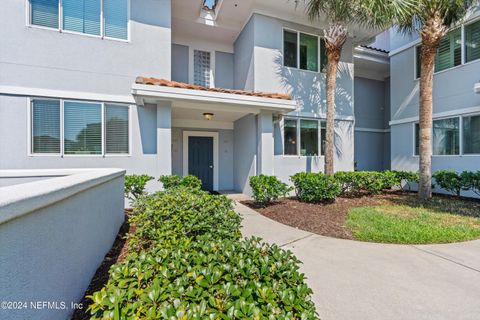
x: 175, y: 181
x: 188, y: 261
x: 454, y: 183
x: 265, y: 189
x: 315, y: 187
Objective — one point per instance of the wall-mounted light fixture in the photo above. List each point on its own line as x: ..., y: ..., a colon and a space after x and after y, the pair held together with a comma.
x: 208, y: 115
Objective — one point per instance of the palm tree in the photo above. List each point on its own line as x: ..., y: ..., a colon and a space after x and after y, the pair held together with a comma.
x: 431, y: 19
x: 341, y: 15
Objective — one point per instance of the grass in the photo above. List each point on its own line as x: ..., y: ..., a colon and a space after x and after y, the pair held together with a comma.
x: 405, y: 224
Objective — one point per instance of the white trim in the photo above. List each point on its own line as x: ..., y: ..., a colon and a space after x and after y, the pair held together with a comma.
x: 62, y: 94
x: 319, y: 53
x: 298, y: 137
x: 167, y: 93
x: 214, y: 135
x: 476, y: 87
x: 372, y: 130
x: 445, y: 114
x: 202, y: 124
x: 405, y: 47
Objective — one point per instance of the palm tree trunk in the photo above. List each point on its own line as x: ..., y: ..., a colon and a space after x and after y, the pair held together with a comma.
x: 335, y: 37
x: 332, y: 65
x: 431, y: 34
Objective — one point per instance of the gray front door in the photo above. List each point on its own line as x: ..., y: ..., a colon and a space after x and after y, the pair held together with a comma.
x: 200, y: 160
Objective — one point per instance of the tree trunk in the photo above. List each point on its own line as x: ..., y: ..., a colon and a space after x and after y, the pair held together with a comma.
x: 431, y: 34
x: 335, y: 38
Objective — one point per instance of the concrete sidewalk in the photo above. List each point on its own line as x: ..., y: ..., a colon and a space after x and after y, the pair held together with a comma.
x: 359, y: 280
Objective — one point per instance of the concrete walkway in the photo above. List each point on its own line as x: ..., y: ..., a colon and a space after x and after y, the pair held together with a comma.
x: 358, y: 280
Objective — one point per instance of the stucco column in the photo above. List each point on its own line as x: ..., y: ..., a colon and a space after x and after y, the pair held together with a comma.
x: 164, y: 138
x: 265, y: 143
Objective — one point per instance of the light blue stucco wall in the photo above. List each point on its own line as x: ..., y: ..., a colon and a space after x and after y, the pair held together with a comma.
x: 225, y: 155
x: 452, y: 95
x: 180, y: 62
x: 245, y: 159
x: 244, y: 58
x: 224, y: 69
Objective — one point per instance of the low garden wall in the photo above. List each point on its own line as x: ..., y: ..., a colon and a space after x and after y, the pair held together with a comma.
x: 54, y: 233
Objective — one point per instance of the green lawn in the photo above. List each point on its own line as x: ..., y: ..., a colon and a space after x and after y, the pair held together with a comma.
x: 410, y: 225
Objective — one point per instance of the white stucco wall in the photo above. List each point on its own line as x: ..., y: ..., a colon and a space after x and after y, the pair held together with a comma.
x: 54, y: 234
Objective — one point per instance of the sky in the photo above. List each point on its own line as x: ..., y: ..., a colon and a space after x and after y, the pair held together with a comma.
x: 209, y: 3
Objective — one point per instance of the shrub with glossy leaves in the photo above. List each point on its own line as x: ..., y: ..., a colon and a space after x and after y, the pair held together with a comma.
x: 180, y: 214
x: 227, y: 279
x: 135, y: 185
x: 267, y: 188
x: 471, y: 181
x: 449, y: 180
x: 372, y: 182
x: 315, y: 187
x: 175, y: 181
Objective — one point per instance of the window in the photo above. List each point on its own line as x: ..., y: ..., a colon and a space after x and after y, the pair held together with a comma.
x: 323, y: 136
x: 45, y: 126
x: 445, y: 137
x: 116, y: 129
x: 201, y: 68
x: 88, y: 128
x: 309, y: 137
x: 472, y: 41
x: 83, y: 16
x: 301, y: 51
x: 290, y: 137
x: 305, y: 132
x: 44, y: 13
x: 82, y: 128
x: 471, y: 135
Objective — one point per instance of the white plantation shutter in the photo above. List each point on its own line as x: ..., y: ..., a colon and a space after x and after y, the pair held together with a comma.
x: 82, y: 128
x: 201, y: 68
x: 116, y: 18
x: 45, y: 126
x: 44, y: 13
x: 82, y: 16
x: 449, y: 53
x: 472, y: 41
x: 116, y: 129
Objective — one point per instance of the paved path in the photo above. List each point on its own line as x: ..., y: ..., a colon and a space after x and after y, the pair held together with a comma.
x: 358, y: 280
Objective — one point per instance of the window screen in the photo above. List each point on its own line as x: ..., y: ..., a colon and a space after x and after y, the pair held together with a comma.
x: 290, y: 42
x: 82, y: 128
x: 82, y: 16
x: 44, y: 13
x: 116, y: 129
x: 471, y: 135
x: 472, y: 41
x: 308, y: 52
x: 290, y: 137
x: 116, y: 18
x: 45, y: 126
x: 309, y: 137
x: 446, y: 137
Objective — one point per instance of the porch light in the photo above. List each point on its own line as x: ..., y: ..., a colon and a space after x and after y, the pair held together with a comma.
x: 208, y: 115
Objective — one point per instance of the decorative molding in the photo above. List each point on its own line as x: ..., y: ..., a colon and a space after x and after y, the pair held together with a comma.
x: 445, y: 114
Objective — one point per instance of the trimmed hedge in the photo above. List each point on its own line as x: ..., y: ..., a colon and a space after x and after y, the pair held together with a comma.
x: 175, y: 181
x: 315, y: 187
x: 454, y: 183
x: 188, y: 261
x: 265, y: 189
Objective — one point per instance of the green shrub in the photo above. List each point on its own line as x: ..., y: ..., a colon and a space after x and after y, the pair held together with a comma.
x: 267, y: 188
x: 174, y: 181
x: 471, y: 181
x: 449, y: 180
x: 373, y: 182
x: 315, y: 187
x: 135, y: 185
x: 227, y: 279
x: 176, y: 214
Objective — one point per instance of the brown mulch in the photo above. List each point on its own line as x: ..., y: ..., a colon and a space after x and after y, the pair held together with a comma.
x: 117, y: 253
x: 329, y: 219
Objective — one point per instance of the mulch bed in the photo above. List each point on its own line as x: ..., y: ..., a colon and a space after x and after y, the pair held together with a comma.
x: 329, y: 219
x: 117, y: 253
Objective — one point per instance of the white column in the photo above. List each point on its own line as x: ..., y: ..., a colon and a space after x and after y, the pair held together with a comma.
x: 164, y: 138
x: 265, y: 143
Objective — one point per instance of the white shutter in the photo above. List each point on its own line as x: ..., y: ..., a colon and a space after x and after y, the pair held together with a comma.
x: 45, y: 126
x: 116, y: 129
x: 82, y: 128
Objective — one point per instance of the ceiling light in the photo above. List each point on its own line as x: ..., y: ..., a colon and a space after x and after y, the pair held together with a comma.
x: 208, y: 115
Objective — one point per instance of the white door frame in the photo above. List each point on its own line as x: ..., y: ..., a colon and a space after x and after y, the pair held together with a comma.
x: 214, y: 135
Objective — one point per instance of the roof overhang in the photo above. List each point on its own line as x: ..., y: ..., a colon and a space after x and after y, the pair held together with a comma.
x: 144, y: 93
x: 476, y: 87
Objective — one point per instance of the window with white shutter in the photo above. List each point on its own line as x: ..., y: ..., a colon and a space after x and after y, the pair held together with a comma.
x: 82, y: 128
x: 116, y: 129
x: 201, y: 68
x: 44, y: 13
x: 116, y: 18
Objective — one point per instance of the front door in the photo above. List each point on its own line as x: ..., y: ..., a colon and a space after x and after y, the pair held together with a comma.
x: 200, y: 160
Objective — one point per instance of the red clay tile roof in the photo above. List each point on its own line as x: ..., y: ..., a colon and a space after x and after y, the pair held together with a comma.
x: 181, y: 85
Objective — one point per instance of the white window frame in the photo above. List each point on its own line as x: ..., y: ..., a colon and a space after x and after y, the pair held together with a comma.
x: 214, y: 135
x: 460, y: 138
x: 191, y: 60
x: 462, y: 48
x: 462, y: 134
x: 319, y: 53
x: 299, y: 136
x: 60, y: 29
x: 62, y: 154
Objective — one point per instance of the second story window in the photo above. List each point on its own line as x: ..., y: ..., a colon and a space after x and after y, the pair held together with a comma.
x: 202, y: 68
x: 82, y: 16
x: 303, y: 51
